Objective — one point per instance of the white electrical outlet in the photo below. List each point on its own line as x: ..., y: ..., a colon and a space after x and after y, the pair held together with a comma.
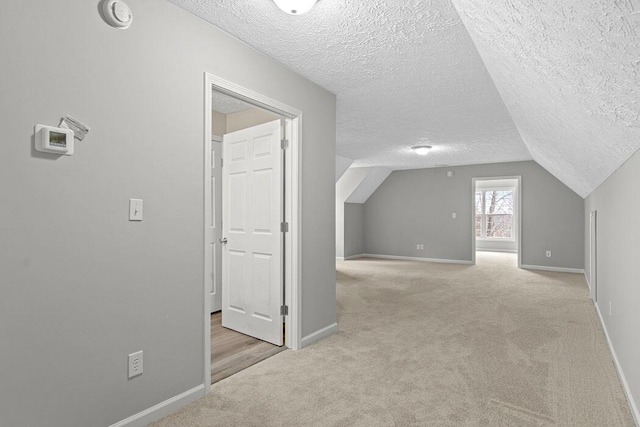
x: 135, y: 364
x: 548, y: 254
x: 453, y: 215
x: 418, y: 246
x: 421, y: 246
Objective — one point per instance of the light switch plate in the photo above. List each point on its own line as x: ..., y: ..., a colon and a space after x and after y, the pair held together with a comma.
x: 135, y: 209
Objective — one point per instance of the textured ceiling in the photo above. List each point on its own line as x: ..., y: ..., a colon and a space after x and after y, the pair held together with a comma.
x: 408, y: 73
x: 226, y: 104
x: 404, y: 72
x: 569, y: 73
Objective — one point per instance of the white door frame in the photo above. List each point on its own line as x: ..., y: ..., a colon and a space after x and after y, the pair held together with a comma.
x: 208, y: 214
x: 518, y: 216
x: 593, y: 255
x: 292, y: 252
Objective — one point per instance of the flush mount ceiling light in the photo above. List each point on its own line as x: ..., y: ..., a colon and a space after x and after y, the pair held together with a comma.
x: 295, y: 7
x: 421, y: 149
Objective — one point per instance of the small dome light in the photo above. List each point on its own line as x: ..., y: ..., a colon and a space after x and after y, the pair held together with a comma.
x: 421, y: 149
x: 295, y: 7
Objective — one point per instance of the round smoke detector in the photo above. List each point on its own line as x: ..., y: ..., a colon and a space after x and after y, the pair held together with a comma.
x: 117, y: 14
x: 450, y: 173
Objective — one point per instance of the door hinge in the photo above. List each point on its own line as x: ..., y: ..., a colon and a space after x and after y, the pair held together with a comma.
x: 284, y: 227
x: 284, y: 310
x: 284, y: 144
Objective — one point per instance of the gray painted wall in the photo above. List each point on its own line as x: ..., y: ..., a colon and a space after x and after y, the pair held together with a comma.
x: 618, y: 206
x: 353, y: 229
x: 415, y: 206
x: 349, y: 181
x: 82, y: 286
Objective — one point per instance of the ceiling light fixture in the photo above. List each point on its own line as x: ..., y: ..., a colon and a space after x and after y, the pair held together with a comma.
x: 295, y: 7
x: 421, y: 149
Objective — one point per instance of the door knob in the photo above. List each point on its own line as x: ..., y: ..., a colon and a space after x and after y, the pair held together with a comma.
x: 223, y: 240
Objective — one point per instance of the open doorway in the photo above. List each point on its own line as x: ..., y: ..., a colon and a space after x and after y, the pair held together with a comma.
x: 497, y: 217
x: 251, y: 228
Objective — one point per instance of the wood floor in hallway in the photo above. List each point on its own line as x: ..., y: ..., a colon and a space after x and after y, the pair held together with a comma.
x: 231, y: 351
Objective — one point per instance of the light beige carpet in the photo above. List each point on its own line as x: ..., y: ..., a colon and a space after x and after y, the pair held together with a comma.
x: 424, y: 344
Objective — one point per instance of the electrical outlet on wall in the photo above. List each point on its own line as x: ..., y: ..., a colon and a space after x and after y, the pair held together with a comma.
x: 135, y: 364
x: 420, y: 246
x: 548, y: 254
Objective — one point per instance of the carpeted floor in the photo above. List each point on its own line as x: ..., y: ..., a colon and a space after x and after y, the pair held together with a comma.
x: 425, y: 344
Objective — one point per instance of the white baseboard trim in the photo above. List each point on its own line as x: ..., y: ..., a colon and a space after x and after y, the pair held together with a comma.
x: 555, y: 269
x: 318, y: 335
x: 623, y: 379
x: 586, y: 279
x: 408, y: 258
x: 511, y: 251
x: 162, y: 409
x: 347, y: 258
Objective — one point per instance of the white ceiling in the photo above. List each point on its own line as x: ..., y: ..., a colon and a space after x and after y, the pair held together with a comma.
x: 342, y: 164
x: 408, y: 73
x: 226, y: 104
x: 368, y: 185
x: 569, y: 72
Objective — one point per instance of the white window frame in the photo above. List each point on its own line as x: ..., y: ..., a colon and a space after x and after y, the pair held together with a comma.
x: 514, y: 227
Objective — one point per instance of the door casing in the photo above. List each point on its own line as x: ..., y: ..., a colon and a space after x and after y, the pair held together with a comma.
x: 473, y: 214
x: 292, y: 215
x: 214, y: 219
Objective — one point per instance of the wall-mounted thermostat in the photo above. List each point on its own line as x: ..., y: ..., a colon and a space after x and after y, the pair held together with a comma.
x: 50, y: 139
x: 117, y: 13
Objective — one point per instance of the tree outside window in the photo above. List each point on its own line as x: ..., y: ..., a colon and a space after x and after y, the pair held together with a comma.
x: 494, y: 214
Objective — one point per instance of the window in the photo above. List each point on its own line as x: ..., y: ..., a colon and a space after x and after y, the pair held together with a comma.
x: 495, y: 214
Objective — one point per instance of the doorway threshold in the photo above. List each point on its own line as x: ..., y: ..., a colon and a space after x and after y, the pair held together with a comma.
x: 231, y: 351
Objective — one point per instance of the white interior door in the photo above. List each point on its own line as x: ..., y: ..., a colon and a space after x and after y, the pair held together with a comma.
x: 214, y: 225
x: 252, y: 271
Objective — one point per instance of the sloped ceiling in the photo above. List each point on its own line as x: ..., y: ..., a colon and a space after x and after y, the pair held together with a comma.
x: 569, y: 73
x: 357, y: 184
x: 369, y: 185
x: 413, y: 72
x: 342, y: 164
x: 404, y: 72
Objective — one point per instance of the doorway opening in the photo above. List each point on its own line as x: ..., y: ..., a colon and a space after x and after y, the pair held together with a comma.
x: 251, y: 236
x: 497, y: 216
